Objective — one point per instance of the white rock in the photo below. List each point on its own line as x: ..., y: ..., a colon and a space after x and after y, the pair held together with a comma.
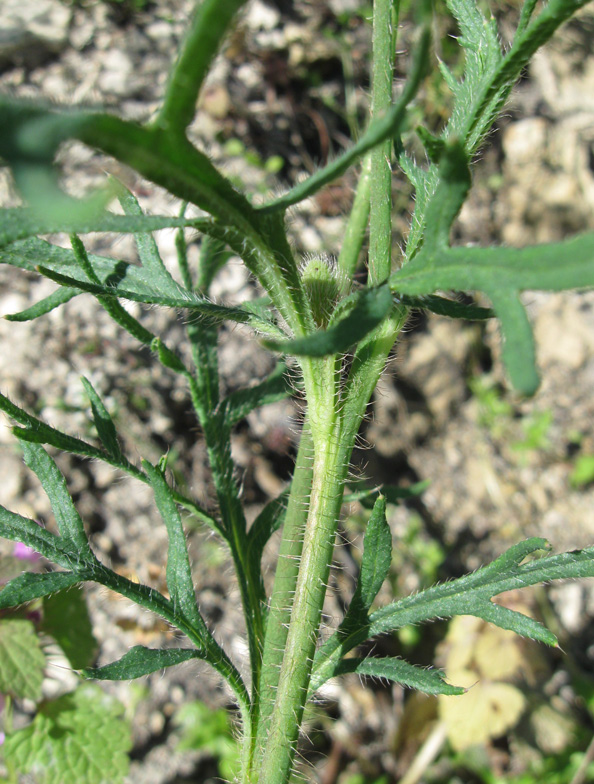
x: 31, y: 29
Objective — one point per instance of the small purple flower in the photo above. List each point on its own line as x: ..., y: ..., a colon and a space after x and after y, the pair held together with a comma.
x: 25, y: 553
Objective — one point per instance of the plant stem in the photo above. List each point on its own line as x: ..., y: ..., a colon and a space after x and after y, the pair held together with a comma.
x: 210, y: 21
x: 385, y: 22
x: 285, y: 580
x: 357, y: 224
x: 324, y: 509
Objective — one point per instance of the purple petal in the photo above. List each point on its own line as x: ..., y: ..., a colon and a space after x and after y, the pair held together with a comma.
x: 25, y: 553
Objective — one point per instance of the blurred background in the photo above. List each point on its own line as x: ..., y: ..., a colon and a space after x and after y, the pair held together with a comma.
x: 288, y: 92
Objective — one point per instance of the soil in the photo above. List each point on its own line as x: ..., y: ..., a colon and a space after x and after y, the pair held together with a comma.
x: 494, y: 477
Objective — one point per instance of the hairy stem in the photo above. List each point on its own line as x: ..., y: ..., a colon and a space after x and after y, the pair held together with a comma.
x: 385, y: 21
x: 285, y: 580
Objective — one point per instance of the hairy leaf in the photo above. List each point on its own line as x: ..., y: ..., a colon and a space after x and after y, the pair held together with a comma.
x: 397, y: 671
x: 141, y: 661
x: 377, y: 557
x: 46, y: 305
x: 119, y: 279
x: 103, y: 422
x: 68, y: 520
x: 21, y: 529
x: 29, y: 586
x: 179, y: 573
x: 469, y: 595
x: 80, y: 737
x: 38, y: 432
x: 148, y: 252
x: 18, y: 223
x: 500, y: 273
x: 22, y: 661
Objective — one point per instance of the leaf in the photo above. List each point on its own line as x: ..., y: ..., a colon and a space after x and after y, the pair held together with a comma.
x: 29, y: 586
x: 178, y: 572
x: 103, y: 422
x: 481, y: 93
x: 46, y: 305
x: 500, y: 273
x: 397, y: 671
x: 141, y: 661
x: 119, y: 279
x: 22, y: 662
x: 22, y: 529
x: 209, y: 24
x: 80, y: 737
x: 66, y: 619
x: 68, y: 520
x: 38, y: 432
x: 369, y: 309
x: 381, y: 129
x: 442, y: 306
x: 148, y: 252
x: 377, y: 557
x: 483, y: 55
x: 238, y: 405
x: 266, y: 523
x: 18, y: 223
x: 392, y: 493
x: 469, y: 595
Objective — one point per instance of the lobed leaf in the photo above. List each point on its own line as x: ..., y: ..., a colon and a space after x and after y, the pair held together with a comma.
x: 148, y: 252
x: 38, y: 432
x: 21, y: 529
x: 140, y: 661
x: 468, y: 595
x: 19, y: 223
x: 397, y: 671
x: 119, y: 279
x: 500, y: 273
x: 480, y: 95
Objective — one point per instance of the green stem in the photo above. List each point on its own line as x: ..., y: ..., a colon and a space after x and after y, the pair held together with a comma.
x: 285, y: 580
x: 210, y: 21
x: 356, y: 227
x: 385, y: 21
x: 328, y: 474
